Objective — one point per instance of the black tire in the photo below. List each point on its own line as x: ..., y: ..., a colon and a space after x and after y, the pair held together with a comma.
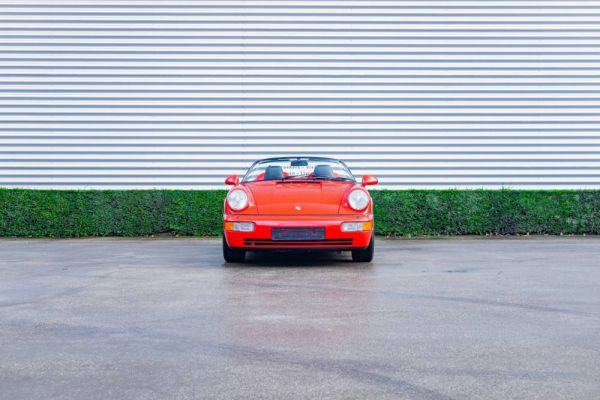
x: 233, y: 255
x: 365, y: 255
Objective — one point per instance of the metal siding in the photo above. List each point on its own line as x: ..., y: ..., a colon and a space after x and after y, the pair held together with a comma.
x: 179, y: 94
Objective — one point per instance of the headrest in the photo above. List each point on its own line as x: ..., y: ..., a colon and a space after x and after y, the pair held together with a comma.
x: 273, y: 173
x: 324, y: 171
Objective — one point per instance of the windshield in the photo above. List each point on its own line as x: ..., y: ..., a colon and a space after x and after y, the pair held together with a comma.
x: 298, y: 168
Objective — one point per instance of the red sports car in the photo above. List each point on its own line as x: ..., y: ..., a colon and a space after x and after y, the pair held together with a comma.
x: 298, y: 203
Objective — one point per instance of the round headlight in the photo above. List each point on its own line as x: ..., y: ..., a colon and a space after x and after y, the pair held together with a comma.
x: 237, y: 199
x: 358, y: 200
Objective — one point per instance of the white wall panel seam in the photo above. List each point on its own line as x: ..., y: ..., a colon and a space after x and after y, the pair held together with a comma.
x: 177, y: 94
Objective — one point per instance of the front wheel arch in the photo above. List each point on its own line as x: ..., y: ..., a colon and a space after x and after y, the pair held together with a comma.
x: 365, y: 255
x: 232, y: 255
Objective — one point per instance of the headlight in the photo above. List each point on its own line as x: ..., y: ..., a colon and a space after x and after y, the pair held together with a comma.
x: 237, y: 199
x: 358, y: 200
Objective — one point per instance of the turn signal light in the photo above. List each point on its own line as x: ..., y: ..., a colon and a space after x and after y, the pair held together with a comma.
x: 239, y: 226
x: 357, y: 226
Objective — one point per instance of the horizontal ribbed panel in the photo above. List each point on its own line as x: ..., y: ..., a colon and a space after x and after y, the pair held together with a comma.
x: 180, y: 94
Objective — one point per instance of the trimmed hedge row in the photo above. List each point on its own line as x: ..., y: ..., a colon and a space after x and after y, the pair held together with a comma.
x: 477, y: 212
x: 79, y: 213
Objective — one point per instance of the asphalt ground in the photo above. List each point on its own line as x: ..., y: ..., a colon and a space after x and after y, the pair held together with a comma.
x: 428, y: 319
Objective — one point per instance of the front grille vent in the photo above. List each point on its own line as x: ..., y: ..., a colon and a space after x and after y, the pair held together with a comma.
x: 298, y: 243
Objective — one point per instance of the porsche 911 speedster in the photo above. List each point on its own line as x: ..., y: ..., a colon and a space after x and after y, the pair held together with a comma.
x: 298, y: 203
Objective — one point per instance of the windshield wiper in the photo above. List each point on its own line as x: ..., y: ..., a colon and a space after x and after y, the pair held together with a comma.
x: 285, y: 178
x: 317, y: 178
x: 333, y: 178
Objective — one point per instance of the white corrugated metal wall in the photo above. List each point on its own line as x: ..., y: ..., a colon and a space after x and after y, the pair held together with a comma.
x: 179, y: 94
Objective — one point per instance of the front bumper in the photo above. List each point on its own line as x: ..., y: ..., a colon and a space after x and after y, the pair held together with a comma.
x: 335, y: 239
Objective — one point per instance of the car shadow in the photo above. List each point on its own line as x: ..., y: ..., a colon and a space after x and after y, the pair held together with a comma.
x: 299, y: 259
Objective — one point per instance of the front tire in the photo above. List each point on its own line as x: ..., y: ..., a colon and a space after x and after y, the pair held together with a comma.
x: 365, y: 255
x: 232, y: 255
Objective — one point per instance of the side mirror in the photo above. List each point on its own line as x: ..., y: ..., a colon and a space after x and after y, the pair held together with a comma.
x: 232, y: 180
x: 369, y: 180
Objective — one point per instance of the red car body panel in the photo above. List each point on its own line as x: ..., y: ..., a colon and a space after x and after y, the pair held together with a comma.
x: 334, y: 237
x: 298, y: 204
x: 313, y: 198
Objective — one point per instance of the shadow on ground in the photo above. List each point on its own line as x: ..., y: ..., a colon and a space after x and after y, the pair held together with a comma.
x: 317, y: 259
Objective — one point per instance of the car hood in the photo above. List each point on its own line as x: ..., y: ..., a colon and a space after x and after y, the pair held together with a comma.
x: 298, y: 198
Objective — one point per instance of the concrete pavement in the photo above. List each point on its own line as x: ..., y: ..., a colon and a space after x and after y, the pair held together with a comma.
x: 428, y: 319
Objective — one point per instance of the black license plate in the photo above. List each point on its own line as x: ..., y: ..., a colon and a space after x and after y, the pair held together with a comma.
x: 298, y: 233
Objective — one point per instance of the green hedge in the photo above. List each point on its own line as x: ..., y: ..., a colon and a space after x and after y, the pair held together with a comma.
x: 78, y: 213
x: 477, y: 212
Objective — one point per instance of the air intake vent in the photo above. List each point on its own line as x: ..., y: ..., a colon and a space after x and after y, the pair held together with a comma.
x: 327, y: 243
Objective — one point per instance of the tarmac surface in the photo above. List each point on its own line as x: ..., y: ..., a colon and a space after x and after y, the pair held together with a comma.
x: 428, y: 319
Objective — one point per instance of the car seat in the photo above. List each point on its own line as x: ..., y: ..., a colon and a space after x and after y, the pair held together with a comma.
x: 323, y: 171
x: 273, y: 173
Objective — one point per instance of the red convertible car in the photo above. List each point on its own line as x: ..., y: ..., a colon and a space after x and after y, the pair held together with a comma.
x: 298, y: 203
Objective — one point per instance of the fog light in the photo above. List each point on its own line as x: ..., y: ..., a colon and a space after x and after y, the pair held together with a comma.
x: 243, y: 227
x: 352, y: 226
x: 357, y: 226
